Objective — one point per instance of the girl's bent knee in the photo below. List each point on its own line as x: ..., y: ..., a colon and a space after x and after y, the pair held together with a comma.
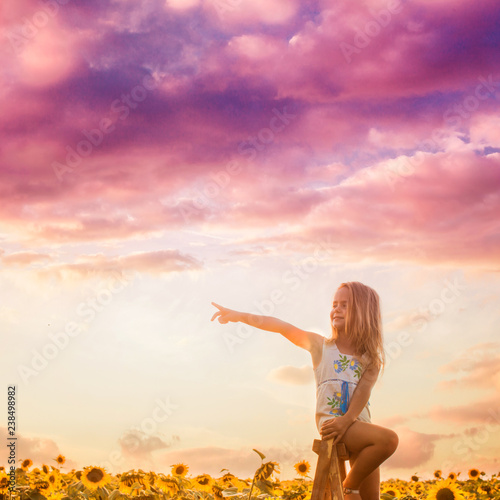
x: 388, y: 442
x: 392, y: 441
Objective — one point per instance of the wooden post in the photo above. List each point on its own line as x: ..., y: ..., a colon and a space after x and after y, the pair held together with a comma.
x: 330, y: 470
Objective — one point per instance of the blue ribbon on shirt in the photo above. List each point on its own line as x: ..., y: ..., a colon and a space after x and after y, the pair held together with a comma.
x: 344, y: 397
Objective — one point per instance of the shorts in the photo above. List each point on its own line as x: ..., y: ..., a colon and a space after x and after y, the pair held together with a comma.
x: 364, y: 416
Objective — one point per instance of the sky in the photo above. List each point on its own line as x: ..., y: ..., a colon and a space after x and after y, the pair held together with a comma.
x: 159, y: 155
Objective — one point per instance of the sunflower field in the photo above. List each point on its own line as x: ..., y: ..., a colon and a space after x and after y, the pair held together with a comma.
x: 95, y: 483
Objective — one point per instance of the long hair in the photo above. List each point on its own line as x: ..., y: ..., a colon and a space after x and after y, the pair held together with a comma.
x: 363, y: 323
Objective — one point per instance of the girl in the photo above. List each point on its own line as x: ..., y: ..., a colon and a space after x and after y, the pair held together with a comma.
x: 346, y: 367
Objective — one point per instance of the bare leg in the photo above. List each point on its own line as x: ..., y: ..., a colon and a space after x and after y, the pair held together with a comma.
x: 371, y: 445
x: 369, y: 489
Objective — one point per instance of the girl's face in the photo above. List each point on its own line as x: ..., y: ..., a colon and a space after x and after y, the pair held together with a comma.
x: 338, y: 314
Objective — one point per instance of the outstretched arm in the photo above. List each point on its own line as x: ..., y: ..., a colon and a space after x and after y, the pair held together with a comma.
x: 336, y: 427
x: 310, y: 341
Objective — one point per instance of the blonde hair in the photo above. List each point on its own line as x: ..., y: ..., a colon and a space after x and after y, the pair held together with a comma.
x: 363, y: 324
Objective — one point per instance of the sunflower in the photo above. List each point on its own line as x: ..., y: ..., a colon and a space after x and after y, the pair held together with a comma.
x: 414, y: 478
x: 131, y: 483
x: 167, y: 484
x: 60, y: 459
x: 438, y: 474
x: 41, y: 485
x: 229, y: 479
x: 54, y: 479
x: 150, y: 479
x: 452, y: 476
x: 94, y: 477
x: 180, y: 470
x: 303, y: 468
x: 217, y: 491
x: 445, y: 490
x: 390, y: 489
x: 26, y: 464
x: 45, y: 469
x: 265, y: 470
x: 204, y: 482
x: 4, y: 482
x: 486, y: 487
x: 474, y: 473
x: 416, y: 489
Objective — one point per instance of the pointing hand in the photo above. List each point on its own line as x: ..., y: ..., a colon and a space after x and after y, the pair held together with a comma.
x: 224, y: 314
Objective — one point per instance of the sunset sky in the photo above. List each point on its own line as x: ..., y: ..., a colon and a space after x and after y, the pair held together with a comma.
x: 158, y: 155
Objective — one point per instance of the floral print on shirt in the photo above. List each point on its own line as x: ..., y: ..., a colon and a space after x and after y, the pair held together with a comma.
x: 334, y: 403
x: 344, y: 363
x: 340, y: 365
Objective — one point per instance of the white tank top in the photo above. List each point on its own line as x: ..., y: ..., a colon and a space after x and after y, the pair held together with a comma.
x: 337, y: 375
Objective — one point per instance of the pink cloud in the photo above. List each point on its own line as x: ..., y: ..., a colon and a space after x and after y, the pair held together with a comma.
x: 401, y: 222
x: 24, y: 258
x: 485, y: 130
x: 394, y: 421
x: 292, y: 375
x: 256, y: 52
x: 182, y: 4
x: 346, y: 145
x: 479, y: 367
x: 47, y: 59
x: 398, y: 226
x: 156, y: 262
x: 232, y: 14
x: 480, y: 411
x: 344, y: 56
x: 40, y: 450
x: 399, y: 323
x: 414, y: 449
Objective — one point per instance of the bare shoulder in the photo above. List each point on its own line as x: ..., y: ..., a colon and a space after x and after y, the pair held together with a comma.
x: 316, y: 340
x: 310, y: 341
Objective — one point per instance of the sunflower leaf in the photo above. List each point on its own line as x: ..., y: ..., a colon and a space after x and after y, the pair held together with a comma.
x: 261, y: 455
x: 386, y: 496
x: 35, y: 495
x: 114, y: 494
x: 229, y: 492
x: 265, y: 486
